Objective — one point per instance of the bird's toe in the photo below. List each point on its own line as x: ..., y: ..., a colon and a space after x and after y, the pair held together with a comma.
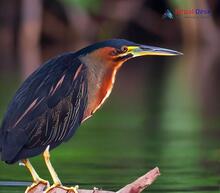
x: 61, y: 189
x: 38, y: 186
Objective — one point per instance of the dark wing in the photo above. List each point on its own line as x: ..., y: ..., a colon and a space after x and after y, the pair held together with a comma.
x: 46, y: 110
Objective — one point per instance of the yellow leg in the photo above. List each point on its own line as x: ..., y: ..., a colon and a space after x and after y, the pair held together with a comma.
x: 36, y: 179
x: 30, y: 168
x: 56, y: 180
x: 53, y: 174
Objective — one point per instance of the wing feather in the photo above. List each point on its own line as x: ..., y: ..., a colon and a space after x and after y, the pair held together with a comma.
x: 48, y: 107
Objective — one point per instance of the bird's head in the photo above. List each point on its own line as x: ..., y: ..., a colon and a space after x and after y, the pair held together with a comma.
x: 115, y: 52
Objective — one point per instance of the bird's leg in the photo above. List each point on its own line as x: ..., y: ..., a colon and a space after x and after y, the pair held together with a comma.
x: 36, y: 179
x: 56, y: 181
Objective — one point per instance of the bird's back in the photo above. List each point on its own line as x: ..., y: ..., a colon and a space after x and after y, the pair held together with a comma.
x: 46, y: 109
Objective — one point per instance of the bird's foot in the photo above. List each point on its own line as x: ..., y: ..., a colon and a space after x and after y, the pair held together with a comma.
x: 38, y: 186
x: 62, y: 189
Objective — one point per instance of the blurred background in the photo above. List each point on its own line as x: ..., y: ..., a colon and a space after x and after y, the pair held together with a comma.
x: 164, y: 111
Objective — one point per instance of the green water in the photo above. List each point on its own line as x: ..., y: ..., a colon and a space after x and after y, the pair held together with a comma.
x: 125, y: 139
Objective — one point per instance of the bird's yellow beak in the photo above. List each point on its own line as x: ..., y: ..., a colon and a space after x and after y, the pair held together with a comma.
x: 143, y: 50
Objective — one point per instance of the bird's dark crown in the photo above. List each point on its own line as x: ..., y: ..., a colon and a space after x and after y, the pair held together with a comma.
x: 115, y: 43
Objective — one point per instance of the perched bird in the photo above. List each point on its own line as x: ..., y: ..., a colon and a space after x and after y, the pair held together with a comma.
x: 61, y: 94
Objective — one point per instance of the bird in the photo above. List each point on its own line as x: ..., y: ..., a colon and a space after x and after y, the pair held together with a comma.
x: 58, y: 97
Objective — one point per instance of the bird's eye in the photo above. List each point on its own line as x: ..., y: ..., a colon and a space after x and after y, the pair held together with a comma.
x: 124, y: 49
x: 116, y: 52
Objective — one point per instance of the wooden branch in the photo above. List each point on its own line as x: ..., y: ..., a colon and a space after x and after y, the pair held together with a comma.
x: 141, y: 183
x: 135, y: 187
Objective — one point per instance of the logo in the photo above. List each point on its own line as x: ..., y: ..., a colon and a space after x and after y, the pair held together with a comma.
x: 168, y: 14
x: 187, y: 13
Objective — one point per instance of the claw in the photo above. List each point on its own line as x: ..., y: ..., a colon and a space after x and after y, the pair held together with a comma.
x: 38, y: 186
x: 56, y: 187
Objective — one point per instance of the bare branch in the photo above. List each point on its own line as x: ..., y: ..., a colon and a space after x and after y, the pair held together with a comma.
x: 135, y: 187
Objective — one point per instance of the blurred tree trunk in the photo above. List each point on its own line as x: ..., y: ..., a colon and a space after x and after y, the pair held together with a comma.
x: 29, y: 35
x: 201, y: 56
x: 7, y: 17
x: 208, y: 67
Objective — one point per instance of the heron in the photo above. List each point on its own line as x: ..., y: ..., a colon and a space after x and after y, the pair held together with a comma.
x: 58, y: 97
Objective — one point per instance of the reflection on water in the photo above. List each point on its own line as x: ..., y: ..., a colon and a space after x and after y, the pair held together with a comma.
x: 121, y: 143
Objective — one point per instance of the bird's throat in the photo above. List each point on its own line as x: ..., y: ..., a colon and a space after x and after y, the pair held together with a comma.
x: 99, y: 92
x: 101, y: 77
